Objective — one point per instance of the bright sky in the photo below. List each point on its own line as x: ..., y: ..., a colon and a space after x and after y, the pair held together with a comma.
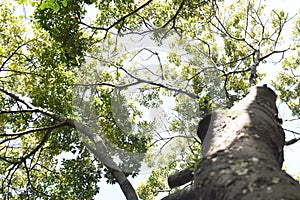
x: 108, y: 192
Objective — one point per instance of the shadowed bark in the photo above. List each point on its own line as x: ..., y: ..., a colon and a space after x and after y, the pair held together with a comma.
x: 180, y: 178
x: 242, y: 154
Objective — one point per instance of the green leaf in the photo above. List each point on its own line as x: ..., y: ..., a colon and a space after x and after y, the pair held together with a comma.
x: 64, y: 3
x: 87, y: 74
x: 56, y: 7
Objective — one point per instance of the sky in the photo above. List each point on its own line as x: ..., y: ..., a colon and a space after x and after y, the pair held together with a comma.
x: 108, y: 192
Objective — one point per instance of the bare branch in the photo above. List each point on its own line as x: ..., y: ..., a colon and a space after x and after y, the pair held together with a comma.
x: 32, y: 187
x: 157, y: 56
x: 174, y: 17
x: 122, y: 19
x: 109, y: 84
x: 192, y: 95
x: 292, y: 141
x: 18, y: 111
x: 10, y: 56
x: 294, y: 132
x: 34, y: 130
x: 15, y: 52
x: 226, y: 32
x: 273, y: 52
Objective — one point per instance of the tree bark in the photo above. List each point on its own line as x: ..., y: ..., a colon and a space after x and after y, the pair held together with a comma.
x: 180, y: 178
x: 242, y: 153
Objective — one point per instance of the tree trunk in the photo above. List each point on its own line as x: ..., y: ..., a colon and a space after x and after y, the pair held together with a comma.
x: 242, y: 154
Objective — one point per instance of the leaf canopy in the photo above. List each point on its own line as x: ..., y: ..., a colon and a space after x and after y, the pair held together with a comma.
x: 84, y: 95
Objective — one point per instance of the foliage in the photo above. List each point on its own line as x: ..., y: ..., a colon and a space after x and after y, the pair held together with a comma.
x: 290, y: 76
x: 155, y: 183
x: 73, y: 84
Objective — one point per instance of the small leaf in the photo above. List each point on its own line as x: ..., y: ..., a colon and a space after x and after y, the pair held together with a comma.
x: 43, y: 6
x: 64, y: 3
x: 281, y: 13
x: 56, y: 7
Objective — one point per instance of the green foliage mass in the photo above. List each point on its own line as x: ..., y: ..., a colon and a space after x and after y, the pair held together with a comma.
x: 115, y: 71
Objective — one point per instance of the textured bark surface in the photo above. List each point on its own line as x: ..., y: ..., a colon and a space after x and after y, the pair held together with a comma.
x: 180, y: 178
x: 242, y: 153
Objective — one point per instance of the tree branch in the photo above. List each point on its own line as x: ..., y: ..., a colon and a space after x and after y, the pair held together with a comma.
x: 10, y: 56
x: 118, y: 21
x: 188, y: 193
x: 174, y: 17
x: 180, y: 178
x: 100, y: 152
x: 292, y: 141
x: 192, y: 95
x: 34, y: 130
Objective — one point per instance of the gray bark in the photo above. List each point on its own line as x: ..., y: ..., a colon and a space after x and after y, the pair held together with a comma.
x: 242, y: 153
x: 180, y: 178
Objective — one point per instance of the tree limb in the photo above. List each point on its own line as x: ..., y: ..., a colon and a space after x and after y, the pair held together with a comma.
x: 292, y: 141
x: 100, y: 151
x: 188, y: 193
x: 118, y: 21
x: 34, y: 130
x: 180, y: 178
